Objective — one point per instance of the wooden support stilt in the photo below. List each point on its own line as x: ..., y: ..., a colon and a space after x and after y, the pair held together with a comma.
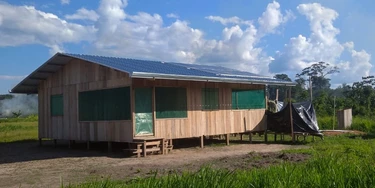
x: 54, y: 142
x: 88, y: 145
x: 40, y: 141
x: 163, y: 146
x: 241, y: 136
x: 227, y: 136
x: 275, y: 137
x: 70, y: 144
x: 202, y: 141
x: 250, y: 137
x: 144, y: 149
x: 265, y: 136
x: 109, y: 147
x: 290, y: 114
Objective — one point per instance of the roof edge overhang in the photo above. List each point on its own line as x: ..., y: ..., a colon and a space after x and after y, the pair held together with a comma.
x: 207, y: 79
x: 16, y: 89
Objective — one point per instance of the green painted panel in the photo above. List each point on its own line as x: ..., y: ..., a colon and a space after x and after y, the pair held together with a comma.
x: 171, y: 102
x: 101, y: 105
x: 248, y: 99
x: 210, y: 98
x: 57, y: 105
x: 143, y: 111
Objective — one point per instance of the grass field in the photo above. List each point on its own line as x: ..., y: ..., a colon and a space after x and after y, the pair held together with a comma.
x: 340, y: 161
x: 337, y: 161
x: 19, y: 129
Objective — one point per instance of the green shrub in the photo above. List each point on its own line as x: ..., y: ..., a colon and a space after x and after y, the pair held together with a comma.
x: 364, y: 124
x: 326, y: 123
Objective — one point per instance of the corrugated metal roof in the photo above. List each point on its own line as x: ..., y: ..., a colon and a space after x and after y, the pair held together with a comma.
x: 146, y: 69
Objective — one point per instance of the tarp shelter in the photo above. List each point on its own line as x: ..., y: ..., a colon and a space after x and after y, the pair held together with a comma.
x: 303, y: 115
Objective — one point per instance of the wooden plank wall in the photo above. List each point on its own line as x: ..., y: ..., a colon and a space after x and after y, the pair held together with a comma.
x: 202, y: 122
x: 75, y: 77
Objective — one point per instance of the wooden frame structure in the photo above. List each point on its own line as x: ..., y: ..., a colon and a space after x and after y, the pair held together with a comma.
x: 79, y: 75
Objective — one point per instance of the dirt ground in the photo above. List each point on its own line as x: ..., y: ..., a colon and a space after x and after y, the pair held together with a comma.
x: 340, y: 132
x: 25, y: 164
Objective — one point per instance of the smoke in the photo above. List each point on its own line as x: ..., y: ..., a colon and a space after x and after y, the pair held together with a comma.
x: 25, y: 104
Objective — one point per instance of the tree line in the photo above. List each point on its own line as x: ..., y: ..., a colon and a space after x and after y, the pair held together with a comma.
x: 360, y: 95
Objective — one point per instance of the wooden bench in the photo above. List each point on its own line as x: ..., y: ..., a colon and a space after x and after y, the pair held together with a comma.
x: 150, y: 145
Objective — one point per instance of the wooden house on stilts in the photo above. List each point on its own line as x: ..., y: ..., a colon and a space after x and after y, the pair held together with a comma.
x: 108, y: 99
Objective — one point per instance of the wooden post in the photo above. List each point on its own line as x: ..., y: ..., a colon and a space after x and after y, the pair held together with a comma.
x: 227, y: 138
x: 241, y: 137
x: 265, y: 136
x: 163, y: 146
x: 275, y: 136
x: 290, y: 114
x: 202, y: 141
x: 144, y: 148
x: 277, y: 95
x: 138, y: 150
x: 250, y: 138
x: 109, y: 146
x: 54, y: 142
x: 88, y: 145
x: 70, y: 144
x: 40, y: 141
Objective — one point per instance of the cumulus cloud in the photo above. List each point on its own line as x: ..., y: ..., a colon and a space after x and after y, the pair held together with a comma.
x: 227, y: 21
x: 321, y: 45
x: 112, y: 31
x: 83, y: 14
x: 273, y: 18
x: 39, y: 28
x: 172, y: 15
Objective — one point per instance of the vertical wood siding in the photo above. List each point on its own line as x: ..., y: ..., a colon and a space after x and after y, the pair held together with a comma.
x: 206, y: 122
x: 75, y: 77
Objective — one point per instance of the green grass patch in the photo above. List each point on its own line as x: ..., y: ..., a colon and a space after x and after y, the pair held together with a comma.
x: 339, y: 161
x: 18, y: 131
x: 30, y: 118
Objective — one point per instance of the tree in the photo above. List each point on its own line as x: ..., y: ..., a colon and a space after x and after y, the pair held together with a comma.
x: 282, y: 89
x: 318, y: 73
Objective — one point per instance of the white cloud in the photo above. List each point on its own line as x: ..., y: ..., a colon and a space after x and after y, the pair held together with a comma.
x: 83, y: 14
x: 227, y: 21
x: 39, y: 28
x: 65, y: 2
x: 7, y: 77
x: 273, y: 18
x: 172, y: 15
x: 322, y: 45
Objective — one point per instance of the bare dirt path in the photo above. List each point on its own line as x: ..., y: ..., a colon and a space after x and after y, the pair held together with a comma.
x: 28, y: 165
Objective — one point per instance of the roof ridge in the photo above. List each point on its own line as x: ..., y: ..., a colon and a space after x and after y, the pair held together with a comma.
x: 115, y: 57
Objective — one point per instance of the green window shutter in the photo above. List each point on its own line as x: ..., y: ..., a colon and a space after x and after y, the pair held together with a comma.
x: 102, y: 105
x: 248, y: 99
x: 210, y: 98
x: 170, y: 102
x: 57, y: 105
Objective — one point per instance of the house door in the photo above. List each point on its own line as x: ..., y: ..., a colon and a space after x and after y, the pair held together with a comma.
x: 143, y: 112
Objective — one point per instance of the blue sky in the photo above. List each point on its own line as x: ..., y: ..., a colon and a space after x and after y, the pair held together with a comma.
x: 265, y: 37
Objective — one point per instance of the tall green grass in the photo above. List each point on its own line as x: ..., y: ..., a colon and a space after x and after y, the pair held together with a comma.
x: 30, y: 118
x: 18, y: 131
x: 335, y: 162
x: 364, y: 124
